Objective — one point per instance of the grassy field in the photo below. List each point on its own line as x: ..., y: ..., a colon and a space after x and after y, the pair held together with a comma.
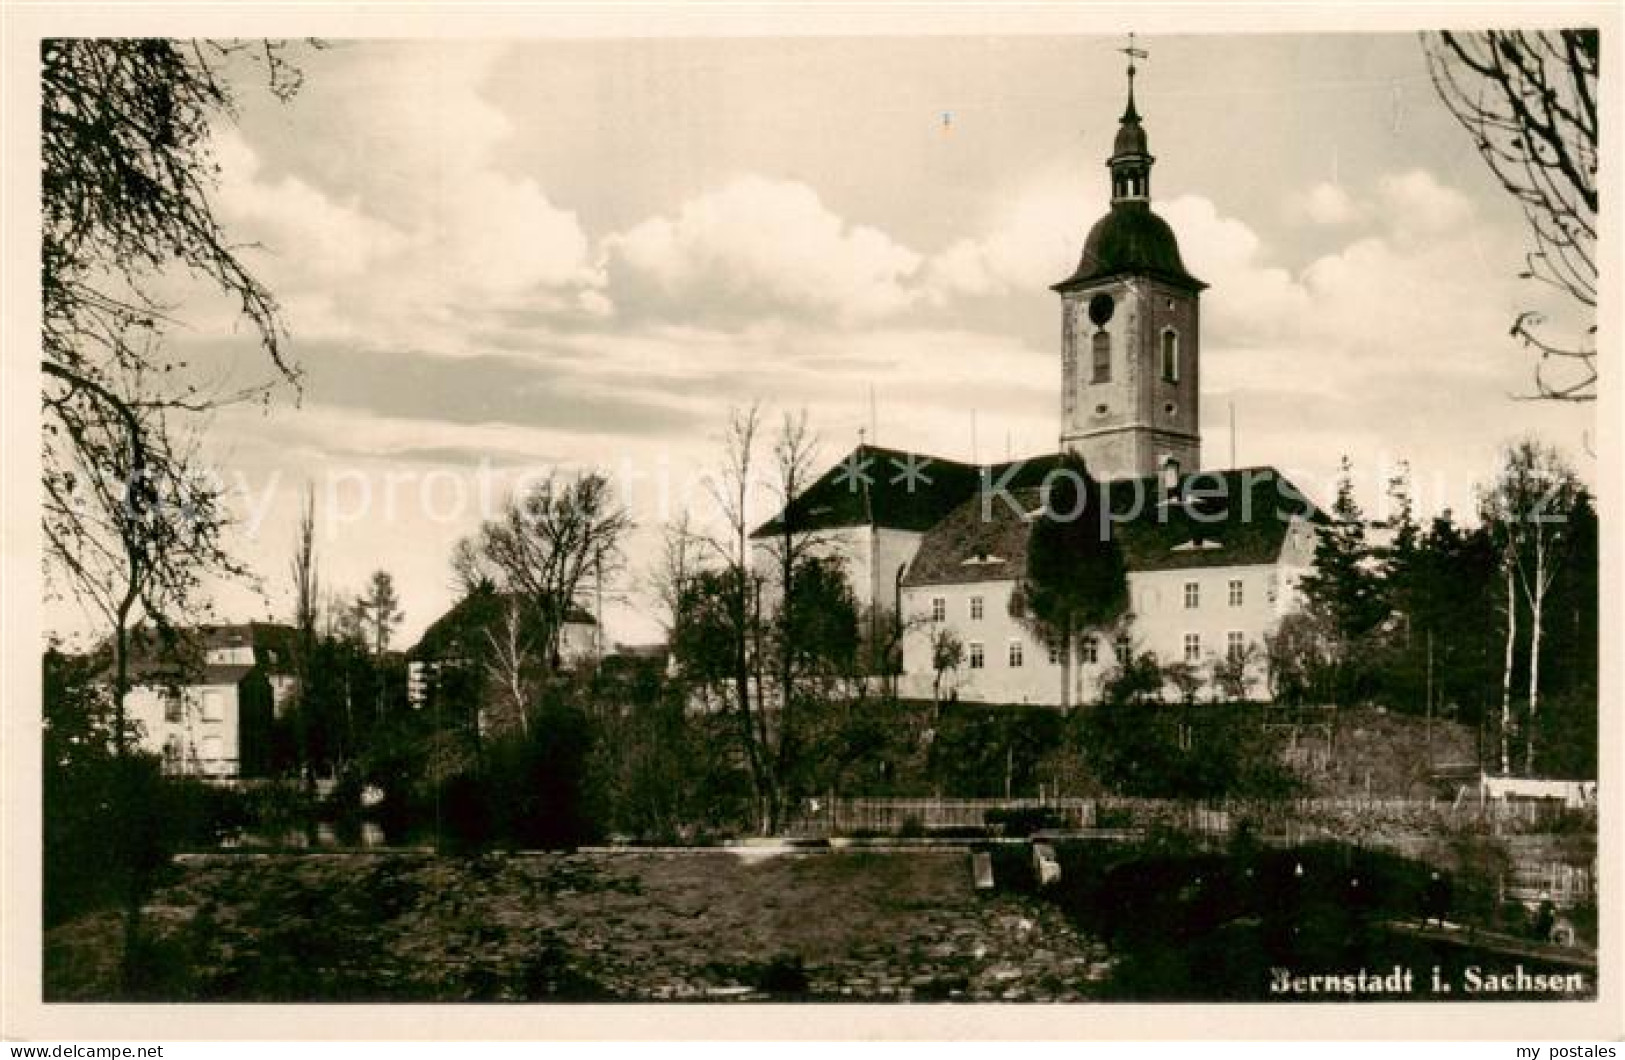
x: 708, y: 925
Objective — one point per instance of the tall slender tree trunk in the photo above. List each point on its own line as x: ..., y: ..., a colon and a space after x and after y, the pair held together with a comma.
x: 1537, y: 605
x: 121, y: 680
x: 1506, y: 672
x: 1066, y: 668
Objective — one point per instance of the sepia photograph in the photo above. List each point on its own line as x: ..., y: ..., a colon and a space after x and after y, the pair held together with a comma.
x: 1097, y: 516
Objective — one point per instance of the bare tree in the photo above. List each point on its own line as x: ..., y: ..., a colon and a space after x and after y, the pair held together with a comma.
x: 791, y: 548
x: 741, y: 599
x: 126, y: 189
x: 1528, y: 508
x: 675, y: 568
x: 145, y: 528
x: 762, y: 604
x: 1529, y: 100
x: 545, y: 546
x: 512, y: 659
x: 1509, y: 604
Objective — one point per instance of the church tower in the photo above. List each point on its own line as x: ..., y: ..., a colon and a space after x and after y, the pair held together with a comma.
x: 1130, y: 350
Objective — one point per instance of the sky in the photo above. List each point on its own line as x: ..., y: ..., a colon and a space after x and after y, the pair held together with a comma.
x: 498, y: 258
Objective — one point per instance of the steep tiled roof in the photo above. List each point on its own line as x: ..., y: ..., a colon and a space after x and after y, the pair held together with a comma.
x: 885, y: 495
x: 1224, y: 518
x: 870, y: 486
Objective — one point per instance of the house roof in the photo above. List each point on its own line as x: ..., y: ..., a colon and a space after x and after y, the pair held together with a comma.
x: 448, y: 635
x: 158, y: 672
x: 873, y: 485
x: 1237, y: 517
x: 186, y: 658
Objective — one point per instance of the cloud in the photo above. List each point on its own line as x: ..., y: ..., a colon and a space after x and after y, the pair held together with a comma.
x: 430, y: 230
x: 313, y: 235
x: 1032, y: 242
x: 1415, y: 202
x: 1327, y: 204
x: 759, y: 248
x: 1251, y: 299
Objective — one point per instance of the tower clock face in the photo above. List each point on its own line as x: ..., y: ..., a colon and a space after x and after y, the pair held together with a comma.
x: 1101, y: 307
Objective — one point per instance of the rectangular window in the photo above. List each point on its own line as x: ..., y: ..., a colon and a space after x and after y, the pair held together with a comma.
x: 1193, y: 647
x: 1054, y: 647
x: 1091, y: 650
x: 1124, y: 649
x: 974, y: 650
x: 212, y: 752
x: 976, y: 608
x: 1170, y: 356
x: 939, y: 609
x: 1102, y: 357
x: 213, y: 706
x: 1236, y: 592
x: 172, y: 707
x: 1015, y: 654
x: 1235, y: 644
x: 1193, y: 596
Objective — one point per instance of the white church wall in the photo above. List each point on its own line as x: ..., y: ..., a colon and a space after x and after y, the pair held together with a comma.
x: 1242, y: 600
x: 1032, y: 679
x: 1228, y: 601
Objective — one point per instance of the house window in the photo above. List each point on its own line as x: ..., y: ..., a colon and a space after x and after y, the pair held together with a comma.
x: 1015, y: 654
x: 1235, y: 644
x: 1170, y: 356
x: 1193, y: 647
x: 976, y: 656
x: 1054, y: 647
x: 172, y: 755
x: 1091, y: 650
x: 212, y: 753
x: 213, y: 707
x: 172, y: 706
x: 939, y: 609
x: 1102, y: 357
x: 1236, y: 592
x: 1124, y: 649
x: 976, y: 608
x: 1193, y: 596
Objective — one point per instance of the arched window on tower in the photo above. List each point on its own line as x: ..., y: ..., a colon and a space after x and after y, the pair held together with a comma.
x: 1102, y: 357
x: 1170, y: 355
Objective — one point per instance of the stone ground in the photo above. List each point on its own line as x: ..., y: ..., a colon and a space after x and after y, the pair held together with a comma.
x: 636, y: 926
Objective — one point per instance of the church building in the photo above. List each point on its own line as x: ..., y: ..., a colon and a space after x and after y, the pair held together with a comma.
x: 1213, y: 556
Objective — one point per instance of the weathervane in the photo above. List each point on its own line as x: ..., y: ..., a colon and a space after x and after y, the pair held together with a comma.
x: 1133, y: 53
